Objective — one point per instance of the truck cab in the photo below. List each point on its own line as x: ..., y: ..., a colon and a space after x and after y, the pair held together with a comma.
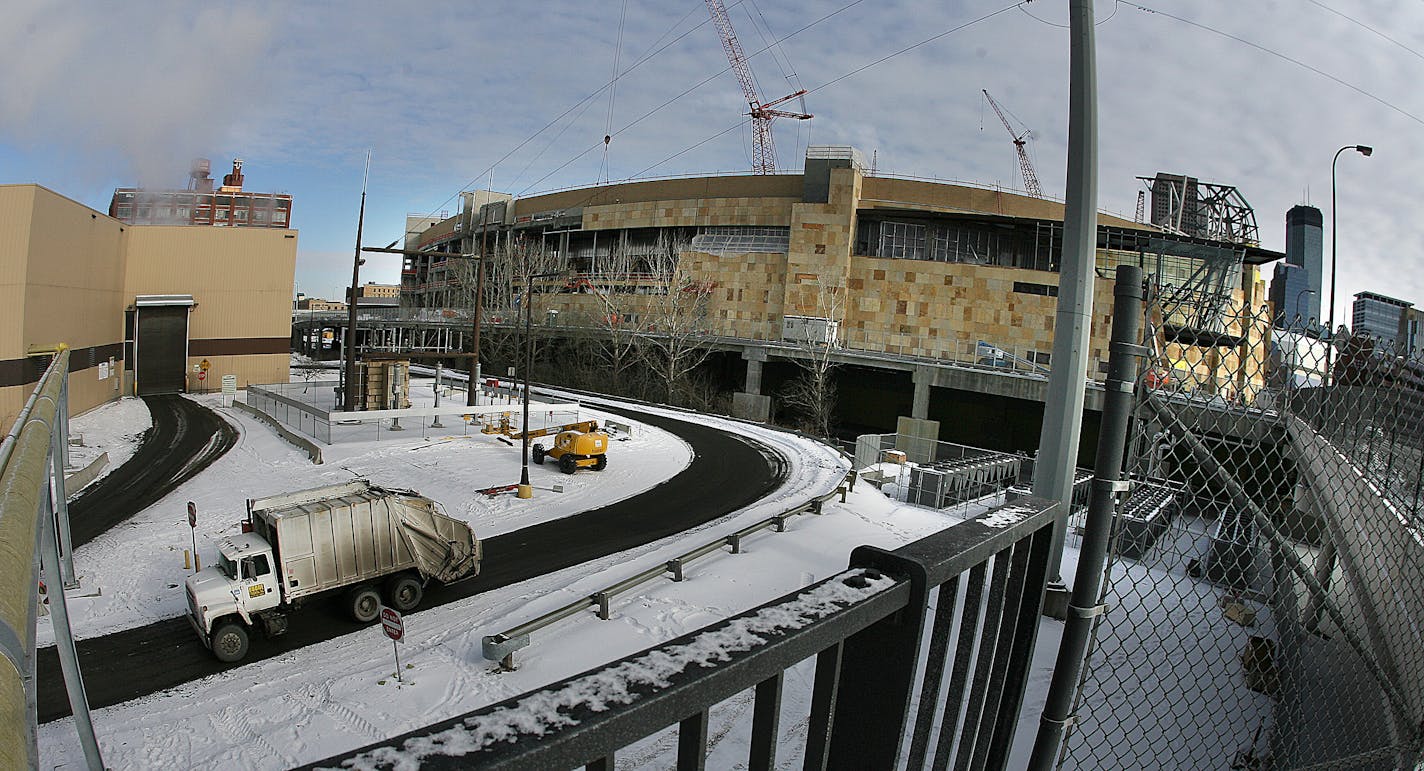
x: 243, y: 583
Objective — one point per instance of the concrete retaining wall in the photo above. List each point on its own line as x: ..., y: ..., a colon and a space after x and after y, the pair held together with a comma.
x: 79, y: 479
x: 301, y: 442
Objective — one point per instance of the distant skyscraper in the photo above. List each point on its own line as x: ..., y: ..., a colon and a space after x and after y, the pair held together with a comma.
x: 1303, y: 249
x: 1289, y: 296
x: 1411, y: 333
x: 1379, y: 316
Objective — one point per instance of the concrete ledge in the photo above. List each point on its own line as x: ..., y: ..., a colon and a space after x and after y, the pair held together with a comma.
x: 301, y: 442
x: 79, y: 479
x: 754, y: 407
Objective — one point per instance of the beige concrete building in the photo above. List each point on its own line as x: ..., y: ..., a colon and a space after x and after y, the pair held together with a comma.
x: 143, y: 307
x: 897, y: 266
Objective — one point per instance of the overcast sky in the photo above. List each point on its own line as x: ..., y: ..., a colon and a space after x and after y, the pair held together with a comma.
x: 454, y: 94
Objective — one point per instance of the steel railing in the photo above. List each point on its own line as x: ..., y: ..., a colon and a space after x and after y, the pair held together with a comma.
x: 34, y: 530
x: 961, y: 606
x: 502, y: 646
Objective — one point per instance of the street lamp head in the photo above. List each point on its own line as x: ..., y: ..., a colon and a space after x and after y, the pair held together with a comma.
x: 1364, y: 150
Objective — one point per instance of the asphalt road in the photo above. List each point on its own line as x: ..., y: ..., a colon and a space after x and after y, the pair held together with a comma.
x: 185, y: 438
x: 727, y: 472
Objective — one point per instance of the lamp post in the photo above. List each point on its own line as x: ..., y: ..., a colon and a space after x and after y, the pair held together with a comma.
x: 1366, y: 151
x: 525, y: 489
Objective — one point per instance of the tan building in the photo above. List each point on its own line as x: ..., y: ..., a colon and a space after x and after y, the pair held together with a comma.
x: 896, y: 266
x: 372, y: 289
x: 317, y: 304
x: 141, y: 306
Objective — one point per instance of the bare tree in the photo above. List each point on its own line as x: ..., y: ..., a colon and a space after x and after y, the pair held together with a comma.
x: 508, y: 269
x: 812, y: 394
x: 676, y: 319
x: 615, y: 316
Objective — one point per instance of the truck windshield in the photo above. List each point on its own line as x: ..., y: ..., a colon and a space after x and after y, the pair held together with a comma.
x: 227, y: 566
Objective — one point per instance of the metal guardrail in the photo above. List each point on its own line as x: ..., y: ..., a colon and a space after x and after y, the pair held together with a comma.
x: 502, y: 646
x: 960, y: 605
x: 34, y: 530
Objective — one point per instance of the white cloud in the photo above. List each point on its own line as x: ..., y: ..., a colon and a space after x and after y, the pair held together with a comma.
x: 443, y: 90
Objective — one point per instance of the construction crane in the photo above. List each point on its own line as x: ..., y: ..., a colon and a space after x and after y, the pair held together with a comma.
x: 763, y: 148
x: 1030, y: 179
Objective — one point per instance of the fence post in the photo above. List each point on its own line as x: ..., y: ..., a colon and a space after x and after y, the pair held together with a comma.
x: 1084, y: 607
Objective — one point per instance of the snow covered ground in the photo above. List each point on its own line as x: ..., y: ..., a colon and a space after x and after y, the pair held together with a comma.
x: 328, y: 698
x: 114, y: 428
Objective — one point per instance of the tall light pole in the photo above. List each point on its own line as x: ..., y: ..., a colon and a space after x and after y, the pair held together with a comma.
x: 525, y: 489
x: 352, y: 392
x: 1366, y: 151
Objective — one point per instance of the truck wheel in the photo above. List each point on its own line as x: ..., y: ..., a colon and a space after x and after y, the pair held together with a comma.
x: 537, y: 453
x: 600, y: 463
x: 230, y: 642
x: 567, y: 463
x: 364, y: 604
x: 404, y: 593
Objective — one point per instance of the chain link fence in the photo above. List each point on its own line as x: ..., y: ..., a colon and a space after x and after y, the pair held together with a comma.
x: 1263, y: 600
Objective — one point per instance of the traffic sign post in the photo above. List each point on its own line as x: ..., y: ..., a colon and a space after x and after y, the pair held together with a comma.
x: 193, y: 527
x: 394, y: 628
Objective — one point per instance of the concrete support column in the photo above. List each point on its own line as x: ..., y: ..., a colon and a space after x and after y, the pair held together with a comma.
x: 924, y: 377
x: 753, y: 385
x: 750, y: 404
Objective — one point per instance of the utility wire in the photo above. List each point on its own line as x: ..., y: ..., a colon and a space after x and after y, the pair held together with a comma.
x: 1359, y: 23
x: 698, y: 85
x: 1283, y: 57
x: 613, y: 90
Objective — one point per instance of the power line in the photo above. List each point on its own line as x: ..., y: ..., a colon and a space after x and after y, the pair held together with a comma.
x: 1283, y: 57
x: 1359, y: 23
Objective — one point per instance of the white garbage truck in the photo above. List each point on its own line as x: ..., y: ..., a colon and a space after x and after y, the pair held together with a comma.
x: 371, y: 542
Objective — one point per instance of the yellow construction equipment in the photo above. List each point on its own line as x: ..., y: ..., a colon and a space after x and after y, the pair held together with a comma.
x: 576, y: 446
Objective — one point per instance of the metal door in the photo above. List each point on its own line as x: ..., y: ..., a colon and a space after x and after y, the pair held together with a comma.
x: 162, y: 349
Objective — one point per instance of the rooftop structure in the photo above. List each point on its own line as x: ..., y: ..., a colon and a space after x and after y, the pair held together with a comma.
x: 198, y: 204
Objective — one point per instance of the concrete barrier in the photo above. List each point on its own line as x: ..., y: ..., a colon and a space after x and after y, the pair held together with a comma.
x: 73, y: 483
x: 301, y: 442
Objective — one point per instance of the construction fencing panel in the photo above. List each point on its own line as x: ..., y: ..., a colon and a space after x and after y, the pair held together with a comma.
x: 1263, y: 603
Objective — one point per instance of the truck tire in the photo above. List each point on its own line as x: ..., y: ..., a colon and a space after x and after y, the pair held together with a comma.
x: 600, y: 463
x: 230, y: 641
x: 364, y: 602
x: 537, y: 454
x: 404, y: 592
x: 567, y: 463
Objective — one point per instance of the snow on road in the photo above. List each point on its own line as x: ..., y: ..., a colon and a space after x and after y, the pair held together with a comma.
x: 338, y: 695
x: 114, y: 428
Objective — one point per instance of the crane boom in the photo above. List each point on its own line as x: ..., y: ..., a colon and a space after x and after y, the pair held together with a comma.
x: 763, y: 147
x: 1030, y: 179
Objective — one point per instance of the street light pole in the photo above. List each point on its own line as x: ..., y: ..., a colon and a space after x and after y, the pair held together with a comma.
x: 525, y: 490
x: 351, y: 389
x: 470, y: 393
x: 1366, y: 151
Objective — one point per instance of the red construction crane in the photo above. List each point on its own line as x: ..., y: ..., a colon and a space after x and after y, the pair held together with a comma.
x: 763, y: 148
x: 1030, y: 179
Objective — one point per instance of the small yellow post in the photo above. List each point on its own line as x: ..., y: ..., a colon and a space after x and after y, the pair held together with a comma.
x: 197, y: 563
x: 187, y: 560
x: 526, y: 491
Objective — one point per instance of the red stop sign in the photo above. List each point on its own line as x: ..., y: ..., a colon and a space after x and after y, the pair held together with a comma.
x: 392, y: 624
x: 192, y: 514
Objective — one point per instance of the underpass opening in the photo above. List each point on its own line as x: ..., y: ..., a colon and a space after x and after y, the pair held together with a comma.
x: 161, y: 345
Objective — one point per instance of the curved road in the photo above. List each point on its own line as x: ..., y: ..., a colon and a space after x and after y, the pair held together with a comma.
x: 185, y: 438
x: 727, y: 472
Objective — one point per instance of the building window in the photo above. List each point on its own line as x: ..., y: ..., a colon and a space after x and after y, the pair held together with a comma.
x: 742, y: 240
x: 902, y: 241
x: 259, y: 215
x: 1024, y: 287
x: 240, y: 215
x: 1040, y: 358
x: 279, y: 217
x: 221, y: 215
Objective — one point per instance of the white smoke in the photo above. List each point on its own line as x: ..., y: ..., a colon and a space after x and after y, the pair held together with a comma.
x: 151, y: 84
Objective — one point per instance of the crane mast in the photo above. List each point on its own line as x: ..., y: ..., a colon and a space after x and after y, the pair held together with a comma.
x: 763, y: 146
x: 1030, y: 179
